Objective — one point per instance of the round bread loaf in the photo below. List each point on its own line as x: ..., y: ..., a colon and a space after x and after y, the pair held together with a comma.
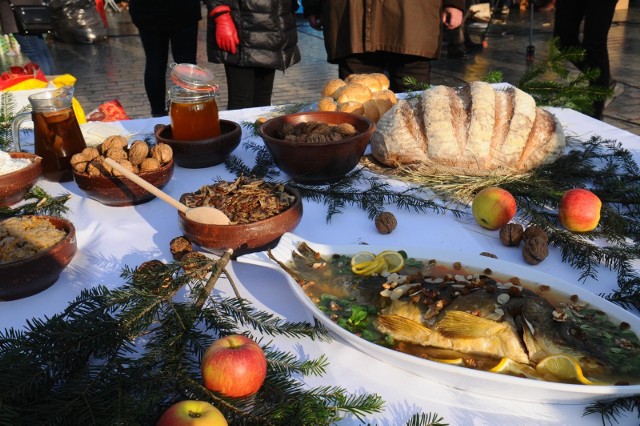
x: 472, y: 130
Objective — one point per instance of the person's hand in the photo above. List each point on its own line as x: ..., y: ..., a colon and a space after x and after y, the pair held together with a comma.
x: 315, y: 21
x: 226, y: 34
x: 451, y: 17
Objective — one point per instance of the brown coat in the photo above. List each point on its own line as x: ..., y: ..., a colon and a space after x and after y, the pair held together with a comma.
x: 411, y: 27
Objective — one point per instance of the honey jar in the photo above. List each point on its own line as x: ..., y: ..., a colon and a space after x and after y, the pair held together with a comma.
x: 193, y: 109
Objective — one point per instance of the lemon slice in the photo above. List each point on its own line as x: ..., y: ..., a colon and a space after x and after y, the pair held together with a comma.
x: 369, y: 267
x: 564, y: 367
x: 509, y: 366
x: 452, y: 361
x: 363, y: 256
x: 393, y: 259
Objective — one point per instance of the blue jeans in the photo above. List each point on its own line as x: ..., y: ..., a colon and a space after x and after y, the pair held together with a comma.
x: 36, y: 49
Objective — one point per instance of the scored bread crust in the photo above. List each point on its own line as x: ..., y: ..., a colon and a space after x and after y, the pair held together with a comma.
x: 475, y: 129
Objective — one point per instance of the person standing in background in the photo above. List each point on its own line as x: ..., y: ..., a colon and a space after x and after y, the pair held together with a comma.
x: 597, y: 16
x: 400, y: 37
x: 33, y: 46
x: 164, y: 23
x: 253, y: 39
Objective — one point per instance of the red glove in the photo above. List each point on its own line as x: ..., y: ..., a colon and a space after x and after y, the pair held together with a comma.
x: 226, y: 34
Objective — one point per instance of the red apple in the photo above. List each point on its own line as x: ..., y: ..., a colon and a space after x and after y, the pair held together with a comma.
x: 493, y: 207
x: 579, y: 210
x: 234, y: 365
x: 192, y: 413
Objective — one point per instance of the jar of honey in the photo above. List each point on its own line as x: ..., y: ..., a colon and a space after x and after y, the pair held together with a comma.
x: 193, y: 109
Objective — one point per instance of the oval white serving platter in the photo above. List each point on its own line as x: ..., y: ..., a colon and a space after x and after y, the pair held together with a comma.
x: 461, y: 378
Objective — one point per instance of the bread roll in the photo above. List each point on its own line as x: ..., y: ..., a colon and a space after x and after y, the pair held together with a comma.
x: 327, y: 104
x: 386, y: 94
x: 332, y: 87
x: 383, y: 79
x: 351, y: 106
x: 371, y: 111
x: 355, y: 92
x: 365, y: 79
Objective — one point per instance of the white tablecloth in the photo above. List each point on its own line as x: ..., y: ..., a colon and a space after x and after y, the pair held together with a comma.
x: 111, y: 237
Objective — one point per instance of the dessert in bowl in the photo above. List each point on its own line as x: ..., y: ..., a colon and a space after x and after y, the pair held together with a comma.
x: 22, y: 172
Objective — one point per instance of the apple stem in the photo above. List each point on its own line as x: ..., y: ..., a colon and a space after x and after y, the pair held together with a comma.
x: 215, y: 274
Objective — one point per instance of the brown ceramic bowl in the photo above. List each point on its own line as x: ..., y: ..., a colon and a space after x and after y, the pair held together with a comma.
x: 317, y: 163
x: 26, y: 277
x: 204, y: 152
x: 118, y: 191
x: 243, y: 238
x: 14, y: 185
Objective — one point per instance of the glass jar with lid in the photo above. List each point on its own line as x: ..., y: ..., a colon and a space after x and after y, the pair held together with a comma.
x: 193, y: 109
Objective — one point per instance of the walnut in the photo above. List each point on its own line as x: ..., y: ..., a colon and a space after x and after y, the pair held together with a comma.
x: 346, y: 129
x: 511, y: 234
x: 149, y: 164
x: 196, y: 264
x: 79, y: 162
x: 95, y: 168
x: 147, y: 275
x: 316, y: 138
x: 535, y: 231
x: 116, y: 153
x: 138, y: 151
x: 124, y: 163
x: 386, y: 222
x: 113, y: 142
x: 90, y: 153
x: 162, y: 152
x: 334, y: 136
x: 535, y: 250
x: 180, y: 246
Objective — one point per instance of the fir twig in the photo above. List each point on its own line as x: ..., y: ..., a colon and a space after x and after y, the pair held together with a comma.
x: 426, y: 419
x: 610, y: 409
x: 42, y: 204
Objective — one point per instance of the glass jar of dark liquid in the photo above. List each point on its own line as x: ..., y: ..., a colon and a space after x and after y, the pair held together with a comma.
x: 193, y: 109
x: 57, y: 135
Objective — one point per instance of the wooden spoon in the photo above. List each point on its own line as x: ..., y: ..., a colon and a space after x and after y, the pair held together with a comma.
x: 204, y: 214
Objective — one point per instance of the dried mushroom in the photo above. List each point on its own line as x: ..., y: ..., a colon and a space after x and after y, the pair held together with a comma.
x: 315, y: 132
x: 244, y: 200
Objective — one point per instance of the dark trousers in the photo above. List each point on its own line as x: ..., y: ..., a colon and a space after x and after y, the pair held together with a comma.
x: 249, y: 86
x: 397, y: 65
x: 597, y: 16
x: 184, y: 46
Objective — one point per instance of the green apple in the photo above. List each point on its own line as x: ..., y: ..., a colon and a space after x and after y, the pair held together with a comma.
x: 493, y: 207
x: 579, y: 210
x: 192, y: 413
x: 234, y: 365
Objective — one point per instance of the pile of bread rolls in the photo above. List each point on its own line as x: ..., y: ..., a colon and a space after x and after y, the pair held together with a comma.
x: 364, y: 94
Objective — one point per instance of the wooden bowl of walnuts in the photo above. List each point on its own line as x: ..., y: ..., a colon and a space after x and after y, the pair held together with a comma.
x: 317, y: 147
x: 153, y: 163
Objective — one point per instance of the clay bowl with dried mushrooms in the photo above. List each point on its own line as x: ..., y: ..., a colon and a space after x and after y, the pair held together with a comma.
x: 317, y: 147
x: 260, y: 212
x: 153, y: 163
x: 15, y: 184
x: 34, y: 250
x: 203, y: 152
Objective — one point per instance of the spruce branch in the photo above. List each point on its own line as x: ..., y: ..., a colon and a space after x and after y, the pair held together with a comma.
x: 610, y: 409
x: 38, y: 202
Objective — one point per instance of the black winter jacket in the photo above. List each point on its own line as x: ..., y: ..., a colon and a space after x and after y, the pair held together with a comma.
x: 164, y: 15
x: 267, y: 33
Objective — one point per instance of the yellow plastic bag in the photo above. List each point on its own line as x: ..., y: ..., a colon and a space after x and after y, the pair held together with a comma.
x: 69, y: 80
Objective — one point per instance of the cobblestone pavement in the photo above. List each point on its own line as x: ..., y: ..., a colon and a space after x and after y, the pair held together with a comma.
x: 113, y: 69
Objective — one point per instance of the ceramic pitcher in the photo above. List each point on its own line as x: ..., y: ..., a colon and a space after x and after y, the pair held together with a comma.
x: 57, y: 135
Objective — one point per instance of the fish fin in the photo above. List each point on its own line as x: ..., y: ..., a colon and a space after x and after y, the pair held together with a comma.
x: 401, y: 328
x: 462, y: 325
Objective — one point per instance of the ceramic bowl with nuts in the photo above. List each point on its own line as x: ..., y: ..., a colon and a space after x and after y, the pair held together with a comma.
x: 153, y: 163
x: 317, y: 147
